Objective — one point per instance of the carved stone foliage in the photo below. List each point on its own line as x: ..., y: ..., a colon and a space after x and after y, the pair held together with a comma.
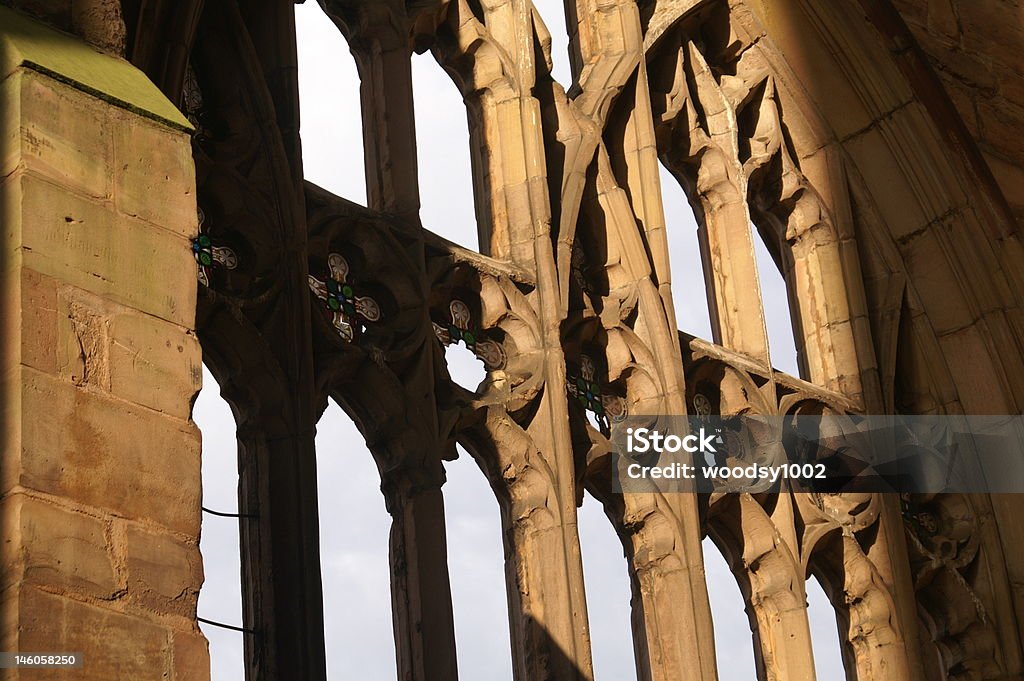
x: 944, y: 540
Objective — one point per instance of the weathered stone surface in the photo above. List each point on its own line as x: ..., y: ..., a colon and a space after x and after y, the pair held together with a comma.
x: 106, y: 453
x: 155, y: 176
x: 117, y: 646
x: 164, y: 572
x: 978, y: 44
x: 38, y: 321
x: 85, y: 244
x: 56, y: 547
x: 99, y: 465
x: 76, y: 152
x: 191, y: 657
x: 794, y: 121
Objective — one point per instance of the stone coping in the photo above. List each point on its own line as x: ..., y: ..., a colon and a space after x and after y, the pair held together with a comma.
x: 27, y: 43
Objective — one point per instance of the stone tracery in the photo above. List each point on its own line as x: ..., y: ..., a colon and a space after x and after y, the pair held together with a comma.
x: 308, y: 297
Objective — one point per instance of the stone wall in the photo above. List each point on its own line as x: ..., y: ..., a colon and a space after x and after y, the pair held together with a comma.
x: 99, y: 469
x: 977, y: 49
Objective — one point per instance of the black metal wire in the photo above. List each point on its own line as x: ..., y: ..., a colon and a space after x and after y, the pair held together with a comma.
x: 226, y: 626
x: 226, y: 515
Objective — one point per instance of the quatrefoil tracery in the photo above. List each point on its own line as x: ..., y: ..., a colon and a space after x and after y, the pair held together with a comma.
x: 461, y: 329
x: 208, y: 255
x: 591, y: 395
x: 348, y: 309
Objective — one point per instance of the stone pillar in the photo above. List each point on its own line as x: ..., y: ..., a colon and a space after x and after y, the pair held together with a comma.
x: 99, y: 469
x: 421, y: 597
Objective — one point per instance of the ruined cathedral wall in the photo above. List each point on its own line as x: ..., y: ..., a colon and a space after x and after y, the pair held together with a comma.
x: 977, y: 50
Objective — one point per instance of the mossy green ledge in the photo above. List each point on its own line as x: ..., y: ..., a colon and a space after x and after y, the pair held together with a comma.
x: 27, y: 43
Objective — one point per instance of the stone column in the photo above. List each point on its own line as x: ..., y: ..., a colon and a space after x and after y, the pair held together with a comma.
x: 99, y: 469
x: 421, y: 597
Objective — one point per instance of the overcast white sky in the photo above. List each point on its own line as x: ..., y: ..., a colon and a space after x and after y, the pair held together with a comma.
x: 354, y: 523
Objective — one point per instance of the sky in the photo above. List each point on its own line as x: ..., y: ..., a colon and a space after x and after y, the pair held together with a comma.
x: 354, y: 522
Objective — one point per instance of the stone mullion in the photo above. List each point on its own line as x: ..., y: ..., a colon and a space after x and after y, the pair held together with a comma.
x: 279, y: 533
x: 640, y: 150
x: 672, y: 628
x: 389, y: 126
x: 544, y: 573
x: 827, y: 339
x: 777, y: 590
x: 672, y: 615
x: 673, y: 636
x: 891, y: 561
x: 725, y: 231
x: 735, y: 285
x: 420, y: 586
x: 877, y: 649
x: 544, y: 569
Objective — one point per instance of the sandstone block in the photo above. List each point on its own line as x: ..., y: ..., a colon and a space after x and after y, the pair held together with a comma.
x: 970, y: 364
x: 65, y: 136
x: 942, y: 19
x: 163, y: 571
x: 1010, y: 178
x: 881, y: 171
x: 10, y: 123
x: 191, y: 657
x: 38, y: 321
x: 970, y: 67
x: 87, y: 245
x: 116, y: 646
x: 155, y: 176
x: 1001, y: 123
x: 939, y: 290
x: 154, y: 363
x: 106, y: 453
x: 993, y: 28
x: 56, y: 548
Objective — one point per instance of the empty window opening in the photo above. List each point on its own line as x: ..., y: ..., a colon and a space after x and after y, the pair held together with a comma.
x: 443, y: 154
x: 356, y: 571
x: 734, y: 642
x: 689, y: 285
x: 606, y: 576
x: 331, y: 129
x: 553, y: 14
x: 476, y: 561
x: 777, y: 312
x: 464, y: 367
x: 220, y: 599
x: 828, y: 651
